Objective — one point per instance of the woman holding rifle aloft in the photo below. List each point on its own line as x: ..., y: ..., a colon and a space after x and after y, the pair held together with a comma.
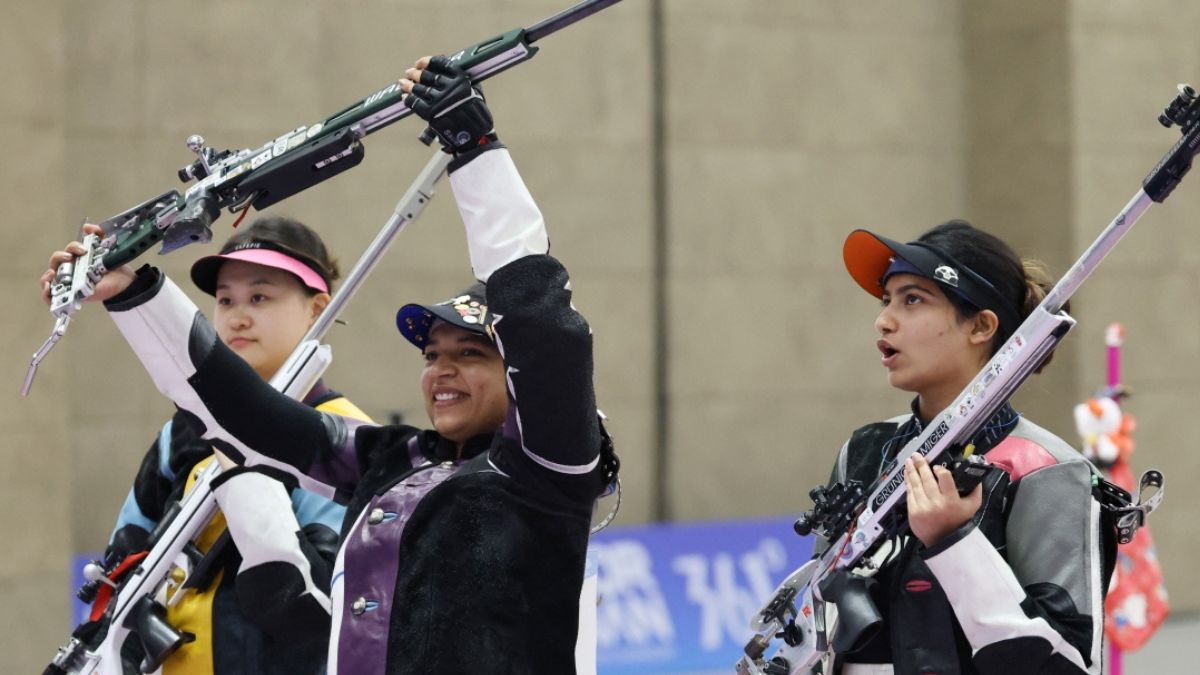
x: 463, y: 545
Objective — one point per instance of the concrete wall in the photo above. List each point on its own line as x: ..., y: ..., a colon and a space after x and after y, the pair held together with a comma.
x: 699, y: 163
x: 36, y: 451
x: 1124, y: 64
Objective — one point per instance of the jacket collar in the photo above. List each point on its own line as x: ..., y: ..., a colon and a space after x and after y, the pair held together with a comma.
x: 993, y: 431
x: 438, y: 449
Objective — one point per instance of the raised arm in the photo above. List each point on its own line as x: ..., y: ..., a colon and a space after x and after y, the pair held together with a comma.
x: 546, y: 344
x: 237, y: 411
x: 229, y: 404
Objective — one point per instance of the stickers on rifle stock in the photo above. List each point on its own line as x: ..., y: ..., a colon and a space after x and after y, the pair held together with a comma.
x: 998, y: 365
x: 895, y: 481
x: 993, y: 370
x: 260, y: 159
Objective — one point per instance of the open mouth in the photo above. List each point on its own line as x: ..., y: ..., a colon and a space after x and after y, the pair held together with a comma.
x: 889, y: 353
x: 886, y: 349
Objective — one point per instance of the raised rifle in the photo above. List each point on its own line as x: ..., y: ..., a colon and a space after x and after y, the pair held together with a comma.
x: 857, y: 520
x: 238, y: 180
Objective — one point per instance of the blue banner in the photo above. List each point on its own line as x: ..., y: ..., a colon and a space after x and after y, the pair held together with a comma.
x: 80, y: 611
x: 678, y: 599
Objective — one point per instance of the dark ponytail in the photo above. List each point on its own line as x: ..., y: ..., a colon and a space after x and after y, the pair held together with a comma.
x: 1037, y: 284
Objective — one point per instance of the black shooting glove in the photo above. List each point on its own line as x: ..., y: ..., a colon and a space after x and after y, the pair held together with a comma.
x: 453, y: 106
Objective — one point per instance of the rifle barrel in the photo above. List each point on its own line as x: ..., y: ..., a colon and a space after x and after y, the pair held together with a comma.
x: 565, y: 18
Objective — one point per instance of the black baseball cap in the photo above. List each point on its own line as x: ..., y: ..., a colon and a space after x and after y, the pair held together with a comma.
x: 869, y: 258
x: 467, y: 310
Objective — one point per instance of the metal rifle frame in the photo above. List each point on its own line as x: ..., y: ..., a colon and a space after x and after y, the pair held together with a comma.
x: 796, y: 613
x: 291, y: 163
x: 134, y: 605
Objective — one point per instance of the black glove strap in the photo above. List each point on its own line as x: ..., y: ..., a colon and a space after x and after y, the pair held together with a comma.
x: 463, y: 158
x: 454, y: 108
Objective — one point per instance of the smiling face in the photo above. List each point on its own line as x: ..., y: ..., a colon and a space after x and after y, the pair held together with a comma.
x: 262, y: 313
x: 463, y: 383
x: 927, y: 347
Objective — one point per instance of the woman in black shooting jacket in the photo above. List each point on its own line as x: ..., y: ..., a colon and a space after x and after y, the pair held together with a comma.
x: 1009, y: 578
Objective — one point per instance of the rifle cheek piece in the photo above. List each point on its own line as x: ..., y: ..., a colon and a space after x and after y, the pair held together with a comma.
x: 192, y: 224
x: 159, y: 638
x: 858, y: 617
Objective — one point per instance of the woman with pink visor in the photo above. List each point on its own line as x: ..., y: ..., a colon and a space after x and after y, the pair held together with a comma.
x: 265, y: 609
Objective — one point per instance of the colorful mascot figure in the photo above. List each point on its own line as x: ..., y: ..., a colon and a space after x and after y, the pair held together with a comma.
x: 1137, y: 599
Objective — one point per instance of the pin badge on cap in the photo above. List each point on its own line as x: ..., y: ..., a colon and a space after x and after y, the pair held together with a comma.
x: 947, y: 275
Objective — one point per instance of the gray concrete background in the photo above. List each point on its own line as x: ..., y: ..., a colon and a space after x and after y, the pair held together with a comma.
x: 779, y: 126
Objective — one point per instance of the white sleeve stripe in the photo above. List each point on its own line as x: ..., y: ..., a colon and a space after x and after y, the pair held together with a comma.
x: 570, y: 469
x: 503, y: 222
x: 573, y: 469
x: 986, y: 598
x: 258, y: 513
x: 159, y: 331
x: 165, y: 319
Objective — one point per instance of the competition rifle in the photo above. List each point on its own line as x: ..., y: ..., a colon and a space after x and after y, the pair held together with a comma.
x: 238, y: 180
x: 856, y: 521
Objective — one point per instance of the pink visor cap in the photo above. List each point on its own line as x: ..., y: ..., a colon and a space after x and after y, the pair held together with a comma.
x: 267, y: 254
